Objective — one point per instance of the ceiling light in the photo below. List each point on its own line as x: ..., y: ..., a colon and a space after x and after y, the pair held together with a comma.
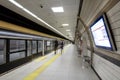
x: 35, y: 16
x: 68, y: 30
x: 65, y: 24
x: 16, y: 3
x: 57, y: 9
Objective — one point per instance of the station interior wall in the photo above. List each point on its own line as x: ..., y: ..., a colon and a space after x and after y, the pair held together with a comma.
x: 104, y: 67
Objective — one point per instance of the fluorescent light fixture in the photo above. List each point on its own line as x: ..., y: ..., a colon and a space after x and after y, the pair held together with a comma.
x: 16, y: 3
x: 57, y: 9
x: 65, y: 24
x: 32, y: 14
x: 68, y: 30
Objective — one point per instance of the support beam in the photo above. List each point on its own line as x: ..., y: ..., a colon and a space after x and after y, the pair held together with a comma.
x: 90, y: 39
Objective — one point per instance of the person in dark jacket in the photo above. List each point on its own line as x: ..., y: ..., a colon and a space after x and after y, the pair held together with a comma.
x: 62, y: 45
x: 56, y: 45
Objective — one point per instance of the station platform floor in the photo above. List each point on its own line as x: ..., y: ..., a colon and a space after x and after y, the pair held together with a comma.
x: 65, y: 66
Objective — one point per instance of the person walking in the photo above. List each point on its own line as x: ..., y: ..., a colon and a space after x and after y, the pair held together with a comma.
x: 81, y: 47
x: 56, y: 45
x: 62, y: 45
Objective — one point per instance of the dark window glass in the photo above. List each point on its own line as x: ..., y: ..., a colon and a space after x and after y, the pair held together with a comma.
x: 34, y: 47
x: 28, y: 48
x: 45, y: 45
x: 40, y: 46
x: 18, y: 55
x: 17, y: 45
x: 52, y: 45
x: 2, y: 53
x: 48, y: 45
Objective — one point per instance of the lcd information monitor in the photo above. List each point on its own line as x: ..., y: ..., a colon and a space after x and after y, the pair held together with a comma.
x: 102, y: 35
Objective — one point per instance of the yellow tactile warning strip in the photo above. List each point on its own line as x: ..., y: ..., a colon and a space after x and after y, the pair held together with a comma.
x: 40, y: 59
x: 37, y: 72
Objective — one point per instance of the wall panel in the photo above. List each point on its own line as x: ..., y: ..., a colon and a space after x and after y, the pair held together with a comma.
x: 114, y: 19
x: 106, y: 69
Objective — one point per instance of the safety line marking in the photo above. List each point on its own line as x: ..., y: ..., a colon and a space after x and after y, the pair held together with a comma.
x: 40, y: 59
x: 38, y: 71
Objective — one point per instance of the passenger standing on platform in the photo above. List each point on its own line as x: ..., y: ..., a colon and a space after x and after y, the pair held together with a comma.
x: 62, y: 45
x: 81, y: 47
x: 56, y: 45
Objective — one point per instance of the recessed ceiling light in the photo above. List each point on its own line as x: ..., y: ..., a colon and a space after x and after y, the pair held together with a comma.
x: 65, y: 24
x: 57, y: 9
x: 68, y: 30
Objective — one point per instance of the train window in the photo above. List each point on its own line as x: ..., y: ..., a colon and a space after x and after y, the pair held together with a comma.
x: 45, y: 45
x: 18, y: 55
x: 17, y: 45
x: 2, y: 53
x: 17, y: 49
x: 28, y: 48
x: 34, y: 47
x: 52, y: 45
x: 48, y: 45
x: 40, y: 46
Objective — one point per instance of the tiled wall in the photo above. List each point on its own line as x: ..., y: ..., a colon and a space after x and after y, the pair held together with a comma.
x: 114, y: 19
x: 105, y: 69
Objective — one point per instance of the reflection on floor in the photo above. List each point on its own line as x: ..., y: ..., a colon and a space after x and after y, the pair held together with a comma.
x: 67, y: 66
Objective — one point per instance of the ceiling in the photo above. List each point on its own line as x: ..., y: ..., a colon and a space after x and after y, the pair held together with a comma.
x: 53, y: 20
x: 90, y: 8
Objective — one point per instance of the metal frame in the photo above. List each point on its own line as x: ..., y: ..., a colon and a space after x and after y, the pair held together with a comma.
x: 26, y: 48
x: 7, y: 51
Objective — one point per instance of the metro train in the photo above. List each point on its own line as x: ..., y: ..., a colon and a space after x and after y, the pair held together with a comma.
x: 18, y: 48
x: 22, y: 40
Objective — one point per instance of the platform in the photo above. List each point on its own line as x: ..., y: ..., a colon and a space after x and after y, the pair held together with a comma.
x: 65, y: 66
